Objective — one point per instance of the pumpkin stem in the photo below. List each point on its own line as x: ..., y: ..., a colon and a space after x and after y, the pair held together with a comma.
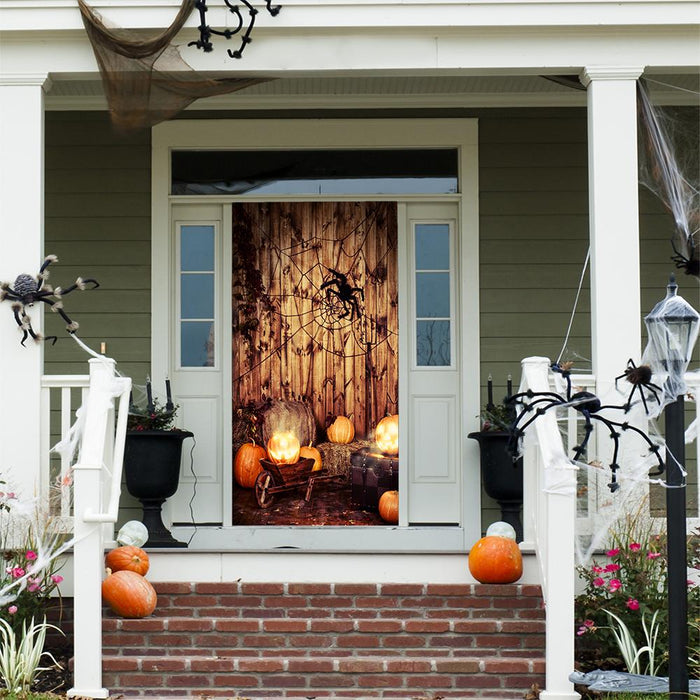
x: 108, y: 571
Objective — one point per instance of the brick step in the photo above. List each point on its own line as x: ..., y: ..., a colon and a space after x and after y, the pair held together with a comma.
x: 331, y: 676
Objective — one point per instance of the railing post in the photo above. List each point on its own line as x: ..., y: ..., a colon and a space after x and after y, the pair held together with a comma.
x: 556, y: 496
x: 88, y: 552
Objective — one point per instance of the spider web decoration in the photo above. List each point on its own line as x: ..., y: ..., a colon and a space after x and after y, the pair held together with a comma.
x: 315, y: 304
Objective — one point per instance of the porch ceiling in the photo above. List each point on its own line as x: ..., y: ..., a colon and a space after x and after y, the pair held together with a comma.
x: 67, y: 92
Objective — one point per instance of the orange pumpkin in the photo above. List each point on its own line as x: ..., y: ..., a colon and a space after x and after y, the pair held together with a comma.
x: 283, y: 448
x: 386, y: 435
x: 127, y: 558
x: 129, y: 594
x: 341, y: 431
x: 246, y: 465
x: 389, y: 507
x: 308, y: 452
x: 496, y: 559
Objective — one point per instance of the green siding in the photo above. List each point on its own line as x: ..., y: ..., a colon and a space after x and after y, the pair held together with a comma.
x: 533, y: 226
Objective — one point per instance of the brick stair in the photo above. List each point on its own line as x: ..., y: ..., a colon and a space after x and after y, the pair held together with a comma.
x: 270, y: 640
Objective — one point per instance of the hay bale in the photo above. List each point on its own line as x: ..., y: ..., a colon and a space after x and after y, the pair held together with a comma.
x: 294, y: 416
x: 336, y: 458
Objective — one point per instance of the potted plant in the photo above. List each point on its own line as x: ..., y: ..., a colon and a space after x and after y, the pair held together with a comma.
x: 501, y: 474
x: 152, y: 456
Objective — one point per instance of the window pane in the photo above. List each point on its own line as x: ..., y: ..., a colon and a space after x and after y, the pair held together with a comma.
x: 197, y: 296
x: 432, y: 247
x: 197, y: 344
x: 433, y: 343
x: 432, y: 294
x: 197, y: 248
x: 356, y: 171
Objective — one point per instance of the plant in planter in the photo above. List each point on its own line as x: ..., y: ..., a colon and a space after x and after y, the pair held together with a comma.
x: 152, y: 462
x: 501, y: 475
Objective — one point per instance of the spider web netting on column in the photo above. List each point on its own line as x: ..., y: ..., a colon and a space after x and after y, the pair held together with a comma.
x: 145, y: 79
x: 669, y: 166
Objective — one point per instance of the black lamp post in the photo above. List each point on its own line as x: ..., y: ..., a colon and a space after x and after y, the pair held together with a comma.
x: 672, y: 326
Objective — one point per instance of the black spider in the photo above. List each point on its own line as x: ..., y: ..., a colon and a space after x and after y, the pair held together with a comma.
x: 640, y: 379
x: 28, y: 289
x: 345, y: 293
x: 589, y: 406
x: 691, y: 265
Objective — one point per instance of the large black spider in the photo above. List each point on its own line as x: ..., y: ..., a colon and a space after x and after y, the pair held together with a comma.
x: 28, y: 289
x: 345, y: 293
x: 640, y: 378
x: 536, y: 403
x: 690, y: 265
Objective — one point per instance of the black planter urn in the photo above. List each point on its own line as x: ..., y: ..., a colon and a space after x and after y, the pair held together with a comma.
x: 152, y: 470
x: 501, y: 476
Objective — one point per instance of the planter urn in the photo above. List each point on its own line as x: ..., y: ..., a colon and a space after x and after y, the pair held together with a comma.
x: 152, y: 471
x: 501, y: 476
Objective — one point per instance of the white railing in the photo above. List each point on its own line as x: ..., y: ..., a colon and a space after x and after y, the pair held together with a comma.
x: 99, y: 430
x: 549, y: 505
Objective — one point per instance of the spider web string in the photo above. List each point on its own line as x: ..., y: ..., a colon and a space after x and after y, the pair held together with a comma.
x: 573, y: 310
x: 289, y: 254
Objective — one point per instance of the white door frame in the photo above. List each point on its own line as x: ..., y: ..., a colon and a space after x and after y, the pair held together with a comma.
x: 276, y: 134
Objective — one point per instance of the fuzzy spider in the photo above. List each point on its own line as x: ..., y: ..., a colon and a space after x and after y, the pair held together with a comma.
x: 345, y: 293
x: 690, y: 265
x: 640, y: 379
x: 28, y: 289
x: 589, y: 406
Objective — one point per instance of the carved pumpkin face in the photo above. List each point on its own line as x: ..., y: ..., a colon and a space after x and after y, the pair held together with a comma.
x: 283, y: 448
x: 386, y: 435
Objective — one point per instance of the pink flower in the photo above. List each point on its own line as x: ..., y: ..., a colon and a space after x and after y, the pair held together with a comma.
x: 612, y: 552
x: 598, y: 582
x: 12, y: 609
x: 614, y: 584
x: 587, y: 626
x: 34, y: 585
x: 31, y: 555
x: 597, y: 569
x: 56, y: 578
x: 653, y: 555
x: 612, y: 567
x: 635, y: 546
x: 17, y: 572
x: 633, y: 604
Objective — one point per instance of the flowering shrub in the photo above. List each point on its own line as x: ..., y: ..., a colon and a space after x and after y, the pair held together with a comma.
x: 29, y: 544
x: 630, y: 585
x: 34, y: 593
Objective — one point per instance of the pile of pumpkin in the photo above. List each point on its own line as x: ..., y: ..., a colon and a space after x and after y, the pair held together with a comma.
x: 125, y: 589
x: 284, y: 448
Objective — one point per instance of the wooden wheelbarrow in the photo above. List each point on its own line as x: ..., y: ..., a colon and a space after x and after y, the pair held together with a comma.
x: 280, y: 478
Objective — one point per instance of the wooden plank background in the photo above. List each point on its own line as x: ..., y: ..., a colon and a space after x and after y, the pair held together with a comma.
x: 303, y: 348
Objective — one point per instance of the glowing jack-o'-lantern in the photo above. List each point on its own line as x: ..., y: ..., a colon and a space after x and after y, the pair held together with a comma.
x: 283, y: 448
x: 387, y: 435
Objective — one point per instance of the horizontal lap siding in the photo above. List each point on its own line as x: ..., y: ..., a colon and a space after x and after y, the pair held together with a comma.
x: 533, y: 239
x: 98, y: 222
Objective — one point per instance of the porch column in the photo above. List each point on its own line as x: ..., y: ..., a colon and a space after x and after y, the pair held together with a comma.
x: 614, y: 220
x: 22, y: 250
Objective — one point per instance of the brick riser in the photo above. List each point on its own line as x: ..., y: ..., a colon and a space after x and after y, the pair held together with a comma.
x: 265, y: 640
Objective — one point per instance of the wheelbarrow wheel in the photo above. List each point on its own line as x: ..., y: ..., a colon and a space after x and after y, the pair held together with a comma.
x: 263, y: 483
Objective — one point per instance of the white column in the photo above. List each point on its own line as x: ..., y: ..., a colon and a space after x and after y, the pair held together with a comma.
x: 22, y: 245
x: 614, y: 219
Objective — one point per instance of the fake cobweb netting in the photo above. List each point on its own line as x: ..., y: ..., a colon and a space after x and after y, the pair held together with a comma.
x: 669, y: 157
x: 145, y: 79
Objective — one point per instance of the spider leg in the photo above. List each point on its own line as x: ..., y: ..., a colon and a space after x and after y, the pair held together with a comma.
x: 358, y: 289
x: 43, y: 275
x: 355, y: 309
x: 57, y: 306
x: 653, y: 447
x: 588, y: 429
x: 6, y: 292
x: 79, y: 284
x: 517, y: 430
x: 328, y: 283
